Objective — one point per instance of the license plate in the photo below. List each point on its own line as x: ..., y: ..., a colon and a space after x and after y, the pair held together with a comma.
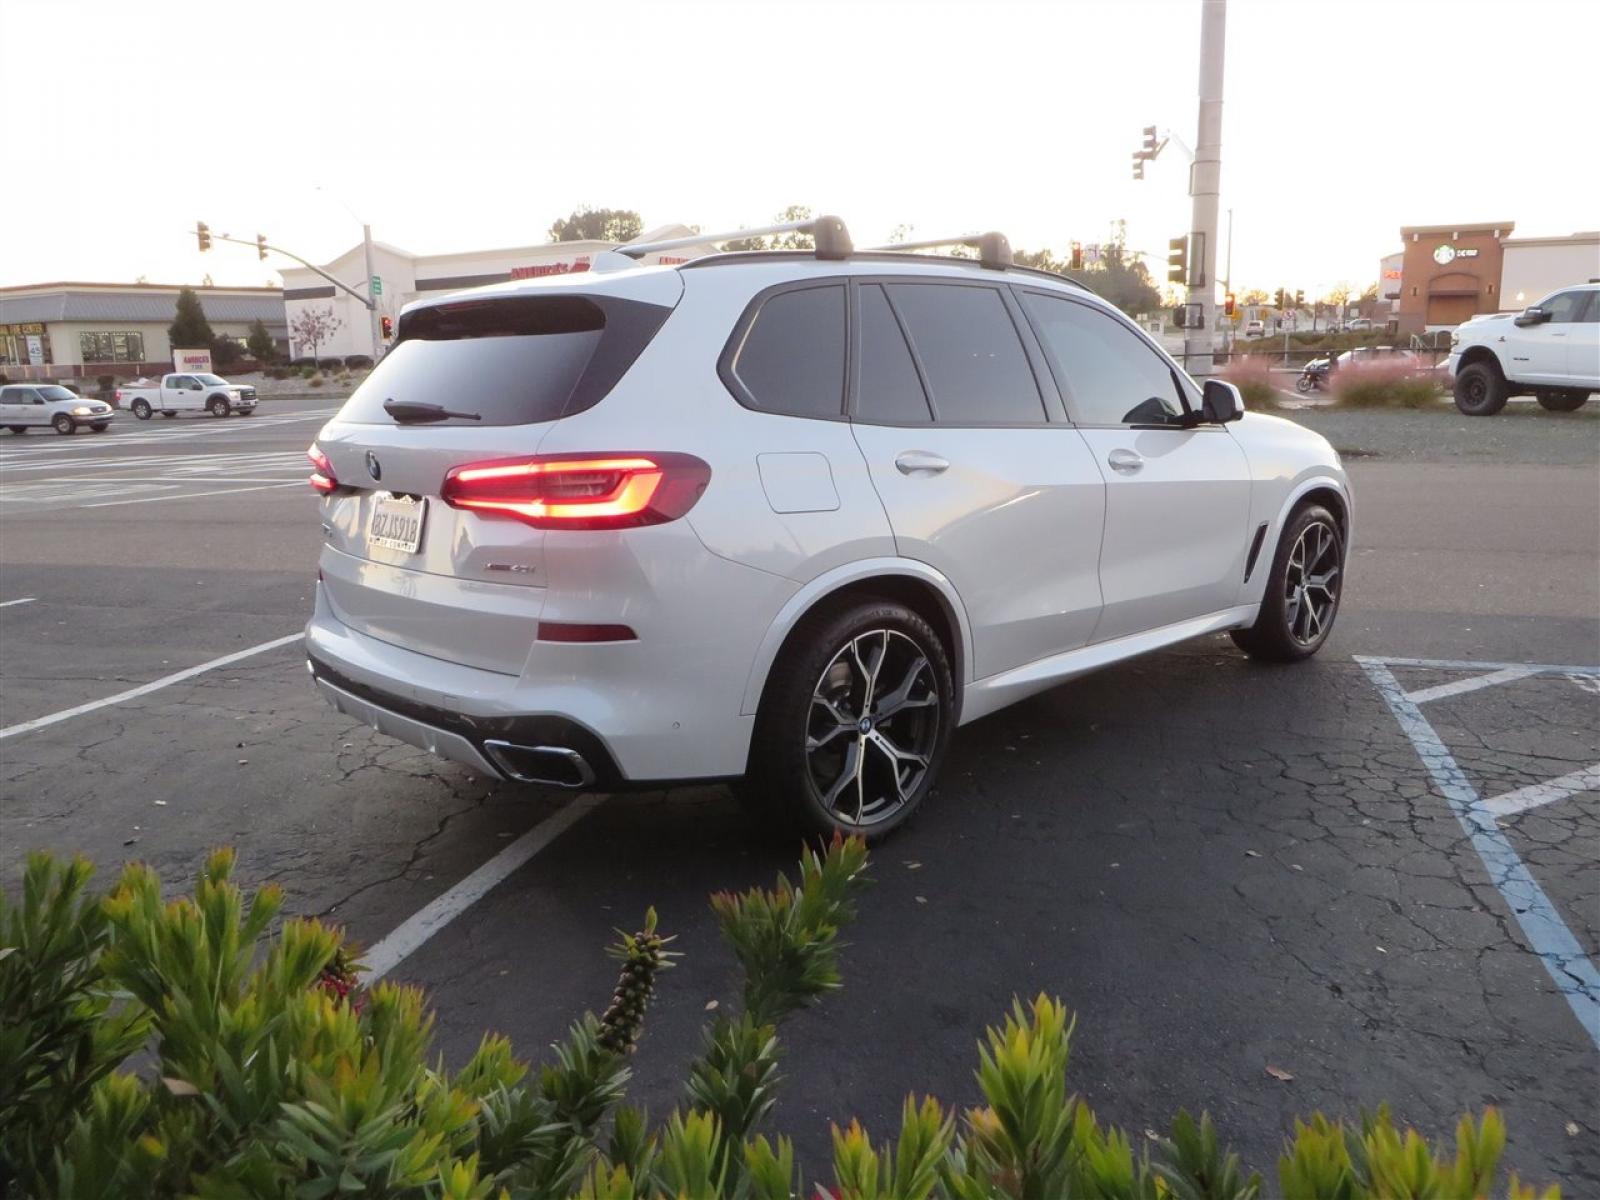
x: 397, y: 523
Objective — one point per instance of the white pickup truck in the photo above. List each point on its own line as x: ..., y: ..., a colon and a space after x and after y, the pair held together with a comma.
x: 197, y: 392
x: 1551, y: 349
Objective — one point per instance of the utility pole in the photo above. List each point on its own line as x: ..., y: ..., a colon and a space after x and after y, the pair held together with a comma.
x: 1205, y: 185
x: 372, y: 293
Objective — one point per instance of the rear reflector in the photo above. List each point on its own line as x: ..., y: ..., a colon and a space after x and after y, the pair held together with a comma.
x: 322, y: 477
x: 581, y: 491
x: 571, y: 631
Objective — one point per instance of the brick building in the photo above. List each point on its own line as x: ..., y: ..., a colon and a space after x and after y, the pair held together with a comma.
x: 1450, y: 273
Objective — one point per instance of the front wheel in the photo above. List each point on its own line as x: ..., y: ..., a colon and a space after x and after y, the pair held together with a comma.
x: 1303, y: 590
x: 142, y: 409
x: 1304, y: 384
x: 1559, y: 401
x: 62, y: 423
x: 1480, y: 390
x: 854, y: 723
x: 217, y: 406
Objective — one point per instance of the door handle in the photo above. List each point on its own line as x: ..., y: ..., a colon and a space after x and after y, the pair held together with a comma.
x: 1125, y: 461
x: 920, y: 462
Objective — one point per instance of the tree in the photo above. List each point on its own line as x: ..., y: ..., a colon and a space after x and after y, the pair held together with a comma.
x: 313, y: 326
x: 1255, y: 296
x: 189, y: 326
x: 778, y: 241
x: 261, y: 344
x: 1118, y: 278
x: 225, y: 351
x: 598, y: 225
x: 1337, y: 299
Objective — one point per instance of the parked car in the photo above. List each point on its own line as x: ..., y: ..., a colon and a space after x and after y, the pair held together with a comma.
x: 789, y: 517
x: 1551, y: 349
x: 26, y: 405
x: 1358, y: 325
x: 197, y: 392
x: 1255, y: 328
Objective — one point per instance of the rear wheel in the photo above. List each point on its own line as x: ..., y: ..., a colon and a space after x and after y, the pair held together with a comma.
x: 854, y: 723
x: 142, y: 409
x: 62, y: 423
x: 100, y: 426
x: 17, y: 428
x: 217, y: 406
x: 1561, y: 401
x: 1303, y: 590
x: 1480, y: 389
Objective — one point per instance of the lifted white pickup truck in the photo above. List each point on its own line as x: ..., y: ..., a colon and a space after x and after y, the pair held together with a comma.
x: 1551, y: 349
x: 199, y: 392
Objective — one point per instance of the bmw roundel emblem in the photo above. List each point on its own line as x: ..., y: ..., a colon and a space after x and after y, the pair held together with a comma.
x: 374, y: 468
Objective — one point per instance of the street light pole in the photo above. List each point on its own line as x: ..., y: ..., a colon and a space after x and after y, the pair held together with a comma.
x: 1205, y: 185
x: 372, y: 296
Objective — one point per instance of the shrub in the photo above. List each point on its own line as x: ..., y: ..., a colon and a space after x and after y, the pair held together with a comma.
x: 358, y: 361
x: 302, y: 362
x: 1383, y: 385
x: 316, y: 381
x: 106, y: 382
x: 1253, y: 378
x: 330, y: 364
x: 275, y: 1074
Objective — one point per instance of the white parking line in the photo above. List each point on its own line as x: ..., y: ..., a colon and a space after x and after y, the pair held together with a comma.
x: 1508, y: 804
x: 299, y: 483
x: 1462, y: 686
x: 431, y: 918
x: 9, y: 603
x: 144, y: 689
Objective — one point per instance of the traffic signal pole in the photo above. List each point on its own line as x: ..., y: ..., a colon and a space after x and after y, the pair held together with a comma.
x: 372, y: 298
x: 1205, y: 185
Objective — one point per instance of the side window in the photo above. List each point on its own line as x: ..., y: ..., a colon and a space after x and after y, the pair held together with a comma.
x: 792, y: 358
x: 1565, y: 308
x: 1591, y: 315
x: 971, y: 353
x: 889, y: 389
x: 1111, y: 375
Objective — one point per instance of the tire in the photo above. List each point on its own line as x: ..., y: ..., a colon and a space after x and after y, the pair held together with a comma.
x: 100, y: 426
x: 1304, y: 384
x: 815, y: 756
x: 1561, y: 401
x: 18, y: 429
x: 63, y: 424
x: 1294, y: 622
x: 218, y: 406
x: 141, y: 409
x: 1480, y: 389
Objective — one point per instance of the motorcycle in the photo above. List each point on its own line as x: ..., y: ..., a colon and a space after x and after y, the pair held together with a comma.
x: 1314, y: 376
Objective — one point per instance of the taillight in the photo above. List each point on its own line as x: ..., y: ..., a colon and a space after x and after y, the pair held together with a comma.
x: 322, y: 477
x: 581, y: 491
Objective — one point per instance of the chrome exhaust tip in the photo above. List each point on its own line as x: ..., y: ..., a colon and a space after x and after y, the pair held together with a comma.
x: 552, y: 766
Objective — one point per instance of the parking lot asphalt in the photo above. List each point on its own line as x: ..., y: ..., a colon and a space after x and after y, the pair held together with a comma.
x: 1222, y: 867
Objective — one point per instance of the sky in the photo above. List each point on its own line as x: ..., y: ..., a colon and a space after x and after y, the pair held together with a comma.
x: 472, y: 125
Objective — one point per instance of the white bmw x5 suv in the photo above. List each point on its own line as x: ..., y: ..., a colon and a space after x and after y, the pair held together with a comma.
x: 789, y: 517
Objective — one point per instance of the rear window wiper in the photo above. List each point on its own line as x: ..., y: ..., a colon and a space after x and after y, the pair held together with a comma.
x: 409, y: 412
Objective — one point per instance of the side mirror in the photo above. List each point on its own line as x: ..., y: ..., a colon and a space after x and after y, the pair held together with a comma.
x: 1221, y: 402
x: 1533, y: 316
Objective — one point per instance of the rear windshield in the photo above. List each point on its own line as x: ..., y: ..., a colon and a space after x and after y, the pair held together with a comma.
x: 510, y: 360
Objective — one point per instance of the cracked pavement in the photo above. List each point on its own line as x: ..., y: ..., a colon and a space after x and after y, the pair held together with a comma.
x: 1220, y: 866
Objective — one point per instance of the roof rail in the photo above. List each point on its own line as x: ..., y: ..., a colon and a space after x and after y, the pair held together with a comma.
x: 830, y: 234
x: 994, y: 251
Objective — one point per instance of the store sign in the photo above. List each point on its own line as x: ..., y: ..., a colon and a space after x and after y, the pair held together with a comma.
x: 581, y: 263
x: 191, y: 360
x: 23, y: 329
x: 36, y: 349
x: 1447, y: 254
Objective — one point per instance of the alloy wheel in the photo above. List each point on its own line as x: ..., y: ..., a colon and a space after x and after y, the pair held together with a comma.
x: 872, y: 727
x: 1311, y: 583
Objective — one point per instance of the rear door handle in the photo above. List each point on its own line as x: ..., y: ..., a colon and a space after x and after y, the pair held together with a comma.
x: 1125, y: 461
x: 920, y: 462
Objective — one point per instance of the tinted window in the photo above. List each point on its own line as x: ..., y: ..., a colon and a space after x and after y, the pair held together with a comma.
x: 792, y: 358
x: 512, y: 361
x: 890, y: 390
x: 1591, y: 315
x: 976, y: 367
x: 1112, y: 376
x: 212, y: 380
x: 1565, y: 308
x: 51, y: 392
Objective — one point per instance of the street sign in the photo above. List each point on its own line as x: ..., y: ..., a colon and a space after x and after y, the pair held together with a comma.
x: 377, y: 286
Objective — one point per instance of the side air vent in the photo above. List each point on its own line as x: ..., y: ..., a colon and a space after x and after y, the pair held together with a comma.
x: 1255, y: 550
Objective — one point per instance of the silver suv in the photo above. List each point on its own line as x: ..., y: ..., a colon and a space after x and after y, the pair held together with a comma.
x: 789, y: 517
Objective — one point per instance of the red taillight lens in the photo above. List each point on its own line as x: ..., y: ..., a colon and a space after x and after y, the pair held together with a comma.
x: 322, y: 477
x: 581, y: 491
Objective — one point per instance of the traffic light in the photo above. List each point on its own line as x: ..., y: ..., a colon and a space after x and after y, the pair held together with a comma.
x: 1149, y: 141
x: 261, y: 246
x: 1281, y: 300
x: 386, y: 327
x: 1227, y: 304
x: 1178, y: 260
x: 1300, y: 299
x: 1077, y: 256
x: 1138, y: 164
x: 202, y: 233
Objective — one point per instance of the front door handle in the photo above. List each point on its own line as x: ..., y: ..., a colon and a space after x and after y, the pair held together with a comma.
x: 920, y: 462
x: 1125, y: 461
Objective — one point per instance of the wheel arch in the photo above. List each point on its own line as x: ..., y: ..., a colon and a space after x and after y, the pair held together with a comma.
x: 919, y: 587
x: 215, y: 396
x: 1318, y: 489
x: 1480, y: 354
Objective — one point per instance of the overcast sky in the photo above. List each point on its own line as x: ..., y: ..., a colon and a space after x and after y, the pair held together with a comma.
x: 472, y: 124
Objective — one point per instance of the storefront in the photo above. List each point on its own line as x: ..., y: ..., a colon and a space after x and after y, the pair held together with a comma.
x: 325, y: 321
x: 72, y: 330
x: 1449, y: 273
x: 1536, y: 266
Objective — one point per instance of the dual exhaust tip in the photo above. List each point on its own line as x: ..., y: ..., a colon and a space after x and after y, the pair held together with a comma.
x: 552, y: 766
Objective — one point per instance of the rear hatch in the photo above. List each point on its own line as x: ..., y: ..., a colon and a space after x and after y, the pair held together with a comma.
x: 475, y: 377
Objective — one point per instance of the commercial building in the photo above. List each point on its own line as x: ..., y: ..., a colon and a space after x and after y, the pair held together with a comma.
x: 1536, y: 266
x: 1448, y: 273
x: 72, y: 330
x: 315, y: 306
